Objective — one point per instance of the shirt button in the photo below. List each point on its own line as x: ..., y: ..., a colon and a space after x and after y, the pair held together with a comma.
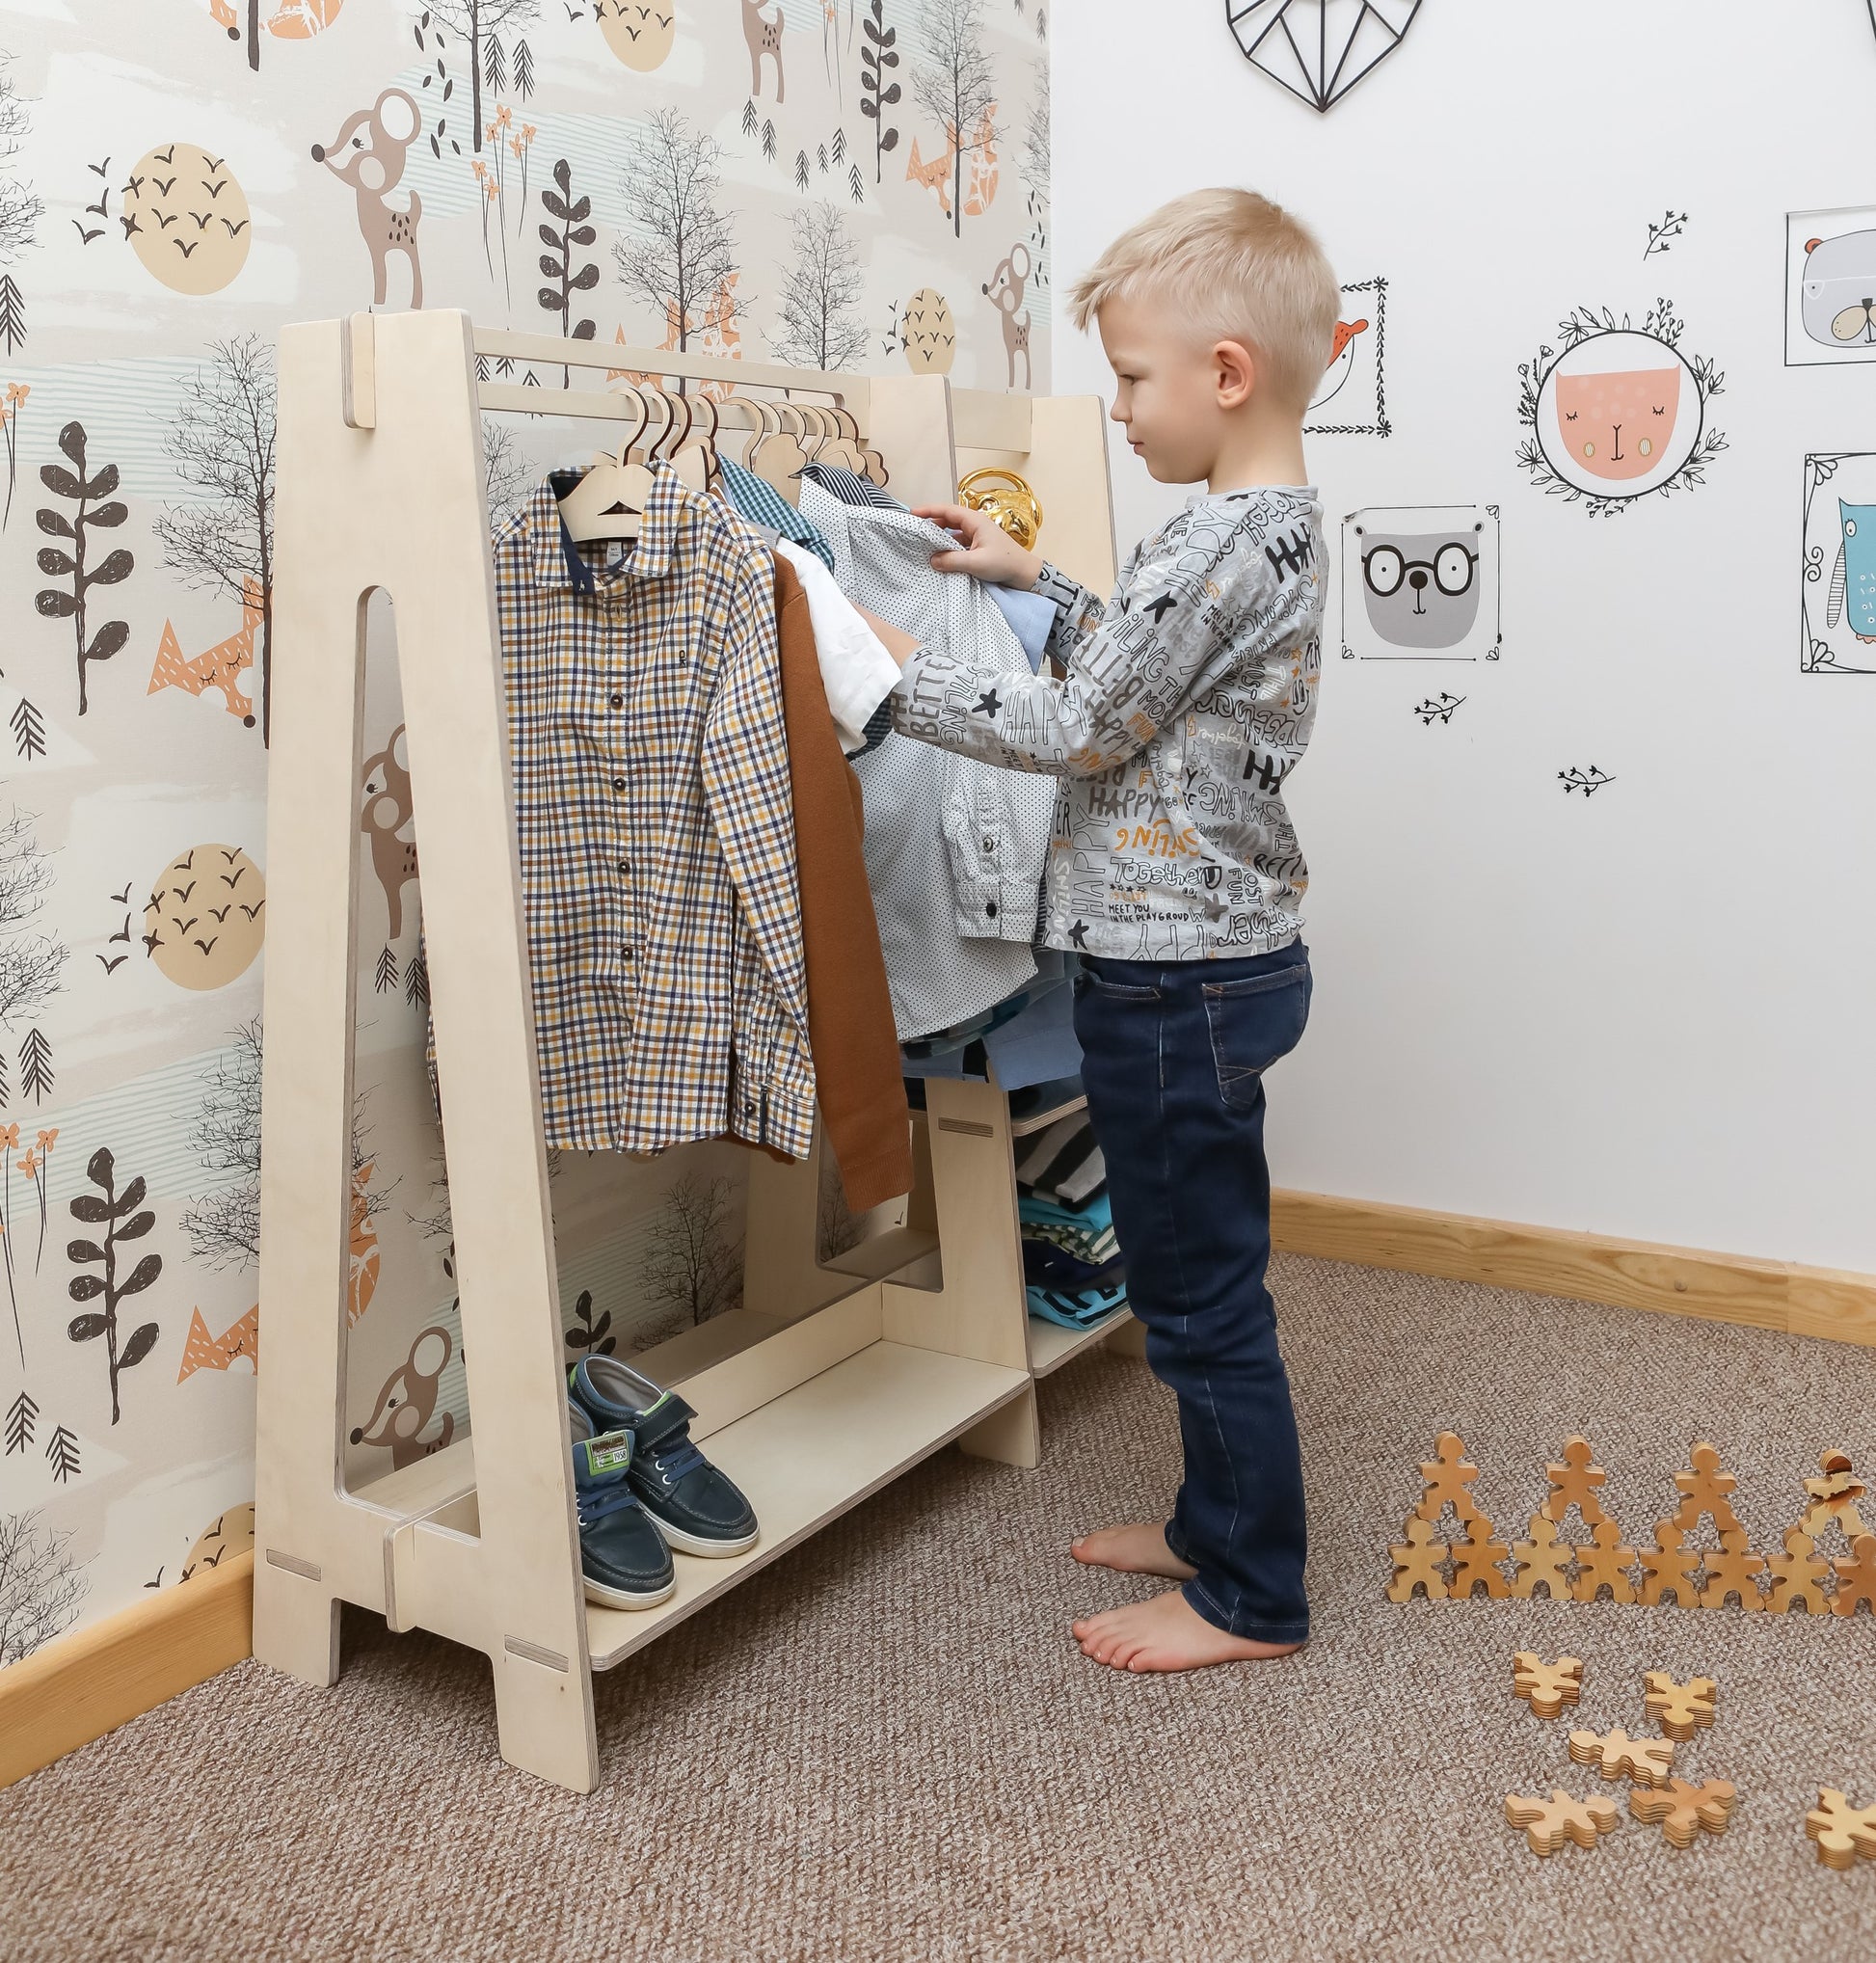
x: 625, y: 954
x: 625, y: 865
x: 617, y: 783
x: 990, y: 911
x: 684, y: 660
x: 617, y: 701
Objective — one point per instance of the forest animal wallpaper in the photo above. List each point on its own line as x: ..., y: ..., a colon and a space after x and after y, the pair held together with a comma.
x: 835, y: 183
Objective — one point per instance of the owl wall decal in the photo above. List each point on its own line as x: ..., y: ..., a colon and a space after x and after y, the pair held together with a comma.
x: 1839, y: 564
x: 1421, y: 582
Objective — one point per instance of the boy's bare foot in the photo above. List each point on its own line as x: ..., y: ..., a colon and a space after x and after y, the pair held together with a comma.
x: 1137, y: 1549
x: 1167, y: 1633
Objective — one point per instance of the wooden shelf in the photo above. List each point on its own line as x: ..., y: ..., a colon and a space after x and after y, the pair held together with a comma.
x: 809, y: 1455
x: 1041, y: 1121
x: 1050, y: 1346
x: 886, y: 1255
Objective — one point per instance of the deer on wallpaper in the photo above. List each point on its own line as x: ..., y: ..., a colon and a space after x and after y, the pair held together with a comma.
x: 368, y: 154
x: 765, y: 37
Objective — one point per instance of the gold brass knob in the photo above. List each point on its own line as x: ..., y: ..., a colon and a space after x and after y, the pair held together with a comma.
x: 1009, y: 501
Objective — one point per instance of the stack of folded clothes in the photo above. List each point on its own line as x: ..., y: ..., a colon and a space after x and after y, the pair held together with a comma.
x: 1071, y: 1261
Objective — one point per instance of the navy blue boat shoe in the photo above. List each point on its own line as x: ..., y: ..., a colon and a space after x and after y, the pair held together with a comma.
x: 622, y: 1554
x: 696, y: 1507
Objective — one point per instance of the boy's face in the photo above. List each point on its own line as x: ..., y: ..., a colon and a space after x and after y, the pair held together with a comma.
x: 1173, y: 394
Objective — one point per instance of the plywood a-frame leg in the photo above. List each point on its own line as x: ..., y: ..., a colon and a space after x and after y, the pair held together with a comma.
x: 395, y: 500
x: 981, y: 1310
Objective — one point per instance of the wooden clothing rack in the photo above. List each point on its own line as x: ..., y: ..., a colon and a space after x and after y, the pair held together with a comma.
x: 831, y: 1380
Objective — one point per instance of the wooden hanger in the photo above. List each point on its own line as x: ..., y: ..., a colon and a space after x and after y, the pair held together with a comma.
x: 609, y: 501
x: 776, y: 457
x: 696, y: 459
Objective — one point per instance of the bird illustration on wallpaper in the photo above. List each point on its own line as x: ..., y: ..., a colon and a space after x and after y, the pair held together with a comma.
x: 186, y: 218
x: 640, y: 34
x: 1355, y: 380
x: 1005, y: 289
x: 1421, y: 581
x: 1839, y: 565
x: 1618, y: 413
x: 1319, y: 49
x: 927, y: 330
x: 368, y: 154
x: 1830, y: 281
x: 203, y: 926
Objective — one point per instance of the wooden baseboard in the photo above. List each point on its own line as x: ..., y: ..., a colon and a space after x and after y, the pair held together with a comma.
x: 1735, y: 1288
x: 87, y: 1682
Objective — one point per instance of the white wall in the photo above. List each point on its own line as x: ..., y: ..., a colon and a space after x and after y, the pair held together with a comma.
x: 1650, y: 1013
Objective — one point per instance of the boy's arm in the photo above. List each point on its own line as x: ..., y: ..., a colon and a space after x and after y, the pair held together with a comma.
x: 1128, y: 671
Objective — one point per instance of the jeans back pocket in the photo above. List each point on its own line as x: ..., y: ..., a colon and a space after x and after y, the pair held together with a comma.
x: 1254, y: 1022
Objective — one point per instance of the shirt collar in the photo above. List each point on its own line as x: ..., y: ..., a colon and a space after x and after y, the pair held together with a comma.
x: 555, y: 557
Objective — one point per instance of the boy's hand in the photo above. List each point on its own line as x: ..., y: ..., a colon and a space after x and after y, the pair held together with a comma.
x: 985, y: 550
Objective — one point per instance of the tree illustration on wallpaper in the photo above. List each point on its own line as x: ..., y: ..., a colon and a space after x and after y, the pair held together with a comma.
x: 878, y: 91
x: 223, y: 1227
x: 21, y: 212
x: 954, y: 83
x: 681, y: 257
x: 123, y: 1217
x: 558, y: 262
x: 693, y: 1264
x: 40, y: 1585
x: 476, y: 23
x: 221, y: 440
x: 56, y: 602
x: 821, y: 322
x: 31, y: 962
x: 588, y: 1334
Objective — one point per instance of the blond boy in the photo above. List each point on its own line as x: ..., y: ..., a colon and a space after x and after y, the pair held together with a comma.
x: 1182, y: 708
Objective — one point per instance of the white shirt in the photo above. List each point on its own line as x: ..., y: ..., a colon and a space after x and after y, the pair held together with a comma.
x: 855, y: 668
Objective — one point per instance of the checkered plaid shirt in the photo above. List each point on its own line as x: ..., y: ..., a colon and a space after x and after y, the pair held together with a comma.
x: 656, y: 831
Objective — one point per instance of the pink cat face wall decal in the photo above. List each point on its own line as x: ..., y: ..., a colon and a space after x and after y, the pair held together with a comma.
x: 1620, y: 426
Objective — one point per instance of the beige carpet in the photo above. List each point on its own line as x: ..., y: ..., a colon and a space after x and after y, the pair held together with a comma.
x: 886, y: 1747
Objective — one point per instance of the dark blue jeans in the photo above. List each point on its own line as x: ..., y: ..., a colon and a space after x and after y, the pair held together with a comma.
x: 1174, y: 1057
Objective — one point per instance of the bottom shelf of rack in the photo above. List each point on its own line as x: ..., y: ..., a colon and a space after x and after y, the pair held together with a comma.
x: 810, y: 1455
x: 1050, y: 1346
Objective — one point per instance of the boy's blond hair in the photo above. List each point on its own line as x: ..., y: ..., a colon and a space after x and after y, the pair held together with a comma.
x: 1235, y: 267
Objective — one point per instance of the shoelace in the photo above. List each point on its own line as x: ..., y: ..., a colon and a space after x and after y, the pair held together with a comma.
x: 593, y: 1503
x: 674, y: 1460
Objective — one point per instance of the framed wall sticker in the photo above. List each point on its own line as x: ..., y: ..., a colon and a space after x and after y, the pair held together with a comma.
x: 1839, y: 593
x: 1620, y: 413
x: 1420, y: 582
x: 1830, y: 286
x: 1319, y: 49
x: 1352, y: 400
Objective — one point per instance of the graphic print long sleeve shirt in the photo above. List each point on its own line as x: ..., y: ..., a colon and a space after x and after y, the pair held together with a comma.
x: 1185, y: 702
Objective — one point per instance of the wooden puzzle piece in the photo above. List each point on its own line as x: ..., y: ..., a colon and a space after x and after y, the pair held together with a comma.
x: 1796, y: 1575
x: 1448, y: 1476
x: 1733, y: 1571
x: 1703, y: 1491
x: 1855, y: 1577
x: 1548, y: 1823
x: 1683, y: 1810
x: 1417, y: 1563
x: 1542, y: 1559
x: 1844, y: 1833
x: 1547, y: 1686
x: 1646, y: 1762
x: 1573, y: 1483
x: 1680, y: 1708
x: 1605, y: 1565
x: 1668, y: 1570
x: 1476, y: 1560
x: 1834, y: 1497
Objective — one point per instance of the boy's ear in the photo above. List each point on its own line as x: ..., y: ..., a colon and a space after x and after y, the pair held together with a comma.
x: 1236, y: 368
